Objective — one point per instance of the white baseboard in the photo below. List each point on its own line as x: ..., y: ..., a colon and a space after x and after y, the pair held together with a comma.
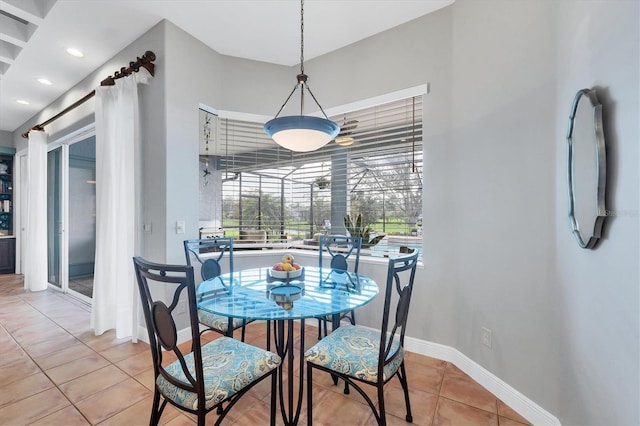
x: 142, y: 334
x: 514, y: 399
x: 510, y: 396
x: 183, y: 335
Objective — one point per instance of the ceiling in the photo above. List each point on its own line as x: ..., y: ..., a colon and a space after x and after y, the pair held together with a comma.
x: 34, y: 36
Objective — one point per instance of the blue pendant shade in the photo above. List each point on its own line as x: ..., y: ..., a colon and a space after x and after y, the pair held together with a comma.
x: 301, y: 133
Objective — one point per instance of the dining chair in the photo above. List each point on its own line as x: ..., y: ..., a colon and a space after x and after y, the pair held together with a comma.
x: 360, y: 355
x: 215, y: 250
x: 200, y: 378
x: 341, y: 249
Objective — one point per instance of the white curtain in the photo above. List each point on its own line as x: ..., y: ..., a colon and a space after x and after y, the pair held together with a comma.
x: 117, y: 128
x: 35, y: 259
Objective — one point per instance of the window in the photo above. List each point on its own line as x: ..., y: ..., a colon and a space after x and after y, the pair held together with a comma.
x: 254, y: 185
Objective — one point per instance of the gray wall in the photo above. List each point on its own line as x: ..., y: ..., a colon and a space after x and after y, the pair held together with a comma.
x: 498, y: 208
x: 6, y: 139
x: 497, y: 251
x: 597, y: 291
x: 200, y: 75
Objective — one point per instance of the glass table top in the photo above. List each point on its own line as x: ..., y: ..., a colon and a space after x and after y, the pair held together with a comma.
x: 256, y: 294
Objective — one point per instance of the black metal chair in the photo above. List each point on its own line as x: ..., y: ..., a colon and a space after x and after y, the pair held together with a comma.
x: 360, y: 355
x: 342, y: 249
x: 210, y: 267
x: 206, y: 376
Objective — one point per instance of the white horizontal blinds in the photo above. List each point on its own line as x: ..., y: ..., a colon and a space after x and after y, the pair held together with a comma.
x: 385, y: 166
x: 310, y: 198
x: 382, y: 168
x: 252, y: 186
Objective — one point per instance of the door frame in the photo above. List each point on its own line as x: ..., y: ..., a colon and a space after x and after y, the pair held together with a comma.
x: 64, y: 142
x: 20, y: 200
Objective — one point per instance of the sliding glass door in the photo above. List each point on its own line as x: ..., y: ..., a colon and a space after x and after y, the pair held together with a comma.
x: 55, y: 226
x: 71, y: 216
x: 82, y: 215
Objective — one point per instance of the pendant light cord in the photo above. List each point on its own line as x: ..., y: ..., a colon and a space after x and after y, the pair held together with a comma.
x: 301, y: 36
x: 302, y: 77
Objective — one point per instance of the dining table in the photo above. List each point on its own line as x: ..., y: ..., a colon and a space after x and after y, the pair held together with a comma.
x: 284, y: 298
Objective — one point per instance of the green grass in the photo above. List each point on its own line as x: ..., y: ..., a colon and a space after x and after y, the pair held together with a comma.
x: 392, y: 227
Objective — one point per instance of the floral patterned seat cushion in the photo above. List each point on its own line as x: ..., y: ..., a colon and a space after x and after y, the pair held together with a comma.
x: 229, y: 366
x: 354, y: 351
x: 217, y: 322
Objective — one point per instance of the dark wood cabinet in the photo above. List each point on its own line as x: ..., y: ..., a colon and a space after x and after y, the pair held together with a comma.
x: 7, y: 241
x: 7, y: 255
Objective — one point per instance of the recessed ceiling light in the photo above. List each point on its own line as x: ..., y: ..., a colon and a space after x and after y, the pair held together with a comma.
x: 44, y: 81
x: 75, y: 52
x: 22, y: 102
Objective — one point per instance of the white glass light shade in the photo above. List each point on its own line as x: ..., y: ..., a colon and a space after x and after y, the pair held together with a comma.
x: 301, y: 133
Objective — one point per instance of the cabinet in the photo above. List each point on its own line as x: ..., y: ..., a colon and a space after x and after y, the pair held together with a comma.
x: 6, y: 195
x: 7, y: 242
x: 7, y: 255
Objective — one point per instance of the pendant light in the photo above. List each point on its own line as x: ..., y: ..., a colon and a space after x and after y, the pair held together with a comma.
x: 299, y: 132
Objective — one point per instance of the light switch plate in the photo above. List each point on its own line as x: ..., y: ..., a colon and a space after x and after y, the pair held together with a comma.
x: 180, y: 225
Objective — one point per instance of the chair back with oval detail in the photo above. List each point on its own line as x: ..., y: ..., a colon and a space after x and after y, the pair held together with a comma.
x: 400, y: 277
x: 342, y: 250
x: 210, y: 255
x: 193, y: 377
x: 361, y: 355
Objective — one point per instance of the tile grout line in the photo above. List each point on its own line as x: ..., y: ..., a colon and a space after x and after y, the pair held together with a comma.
x: 26, y: 301
x: 55, y: 385
x: 435, y: 410
x: 33, y: 303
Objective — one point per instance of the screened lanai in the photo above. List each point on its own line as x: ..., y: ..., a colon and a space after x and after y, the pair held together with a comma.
x: 256, y: 191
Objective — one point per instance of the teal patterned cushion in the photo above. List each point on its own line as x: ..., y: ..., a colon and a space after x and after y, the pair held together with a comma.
x: 229, y: 366
x: 354, y: 351
x: 217, y: 322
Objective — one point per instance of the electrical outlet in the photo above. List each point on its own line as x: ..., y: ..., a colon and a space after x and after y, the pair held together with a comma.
x: 486, y: 337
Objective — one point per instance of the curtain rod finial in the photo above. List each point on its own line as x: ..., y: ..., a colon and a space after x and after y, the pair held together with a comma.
x: 37, y: 127
x: 147, y: 62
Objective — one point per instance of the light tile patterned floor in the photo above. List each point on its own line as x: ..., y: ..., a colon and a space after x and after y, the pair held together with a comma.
x: 55, y: 371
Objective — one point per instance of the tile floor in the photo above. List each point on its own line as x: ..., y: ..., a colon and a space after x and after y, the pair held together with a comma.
x: 55, y: 371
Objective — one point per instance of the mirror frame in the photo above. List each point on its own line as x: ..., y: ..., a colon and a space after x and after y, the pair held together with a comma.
x: 601, y: 168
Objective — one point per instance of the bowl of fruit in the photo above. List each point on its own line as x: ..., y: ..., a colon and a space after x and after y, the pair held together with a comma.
x: 287, y: 268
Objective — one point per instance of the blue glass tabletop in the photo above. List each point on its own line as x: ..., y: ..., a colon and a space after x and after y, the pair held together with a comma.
x: 256, y: 294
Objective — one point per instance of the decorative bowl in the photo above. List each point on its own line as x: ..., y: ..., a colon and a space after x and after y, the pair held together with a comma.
x: 283, y: 274
x: 284, y: 295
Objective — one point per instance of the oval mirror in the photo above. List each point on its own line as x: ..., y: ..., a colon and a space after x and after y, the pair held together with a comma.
x: 586, y: 168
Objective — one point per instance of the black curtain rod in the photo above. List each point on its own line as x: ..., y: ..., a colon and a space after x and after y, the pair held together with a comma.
x: 145, y: 62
